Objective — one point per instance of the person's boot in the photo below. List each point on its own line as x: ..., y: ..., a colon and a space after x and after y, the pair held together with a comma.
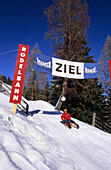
x: 69, y: 126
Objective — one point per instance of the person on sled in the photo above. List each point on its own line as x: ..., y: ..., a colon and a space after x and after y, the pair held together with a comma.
x: 66, y: 119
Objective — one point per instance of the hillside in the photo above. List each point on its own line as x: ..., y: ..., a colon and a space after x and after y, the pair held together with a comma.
x: 41, y: 142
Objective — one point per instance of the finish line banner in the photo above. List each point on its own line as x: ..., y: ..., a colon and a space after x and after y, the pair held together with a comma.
x: 43, y: 63
x: 64, y: 68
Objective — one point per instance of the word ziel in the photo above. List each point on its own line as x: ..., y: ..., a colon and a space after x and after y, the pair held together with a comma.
x: 68, y: 69
x: 71, y: 69
x: 19, y: 74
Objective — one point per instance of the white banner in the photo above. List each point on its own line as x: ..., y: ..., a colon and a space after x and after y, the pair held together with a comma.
x: 68, y: 69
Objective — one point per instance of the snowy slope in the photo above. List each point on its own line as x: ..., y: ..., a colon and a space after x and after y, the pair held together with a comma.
x: 40, y: 142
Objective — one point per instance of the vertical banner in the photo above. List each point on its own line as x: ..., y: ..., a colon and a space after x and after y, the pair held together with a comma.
x: 19, y: 75
x: 110, y: 70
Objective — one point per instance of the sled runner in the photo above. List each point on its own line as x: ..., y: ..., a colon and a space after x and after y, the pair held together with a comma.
x: 75, y: 125
x: 71, y: 124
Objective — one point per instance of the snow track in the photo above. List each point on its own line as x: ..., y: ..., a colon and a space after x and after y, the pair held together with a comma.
x: 41, y: 142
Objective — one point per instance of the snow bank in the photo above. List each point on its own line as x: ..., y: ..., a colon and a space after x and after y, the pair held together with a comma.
x: 41, y: 142
x: 40, y: 105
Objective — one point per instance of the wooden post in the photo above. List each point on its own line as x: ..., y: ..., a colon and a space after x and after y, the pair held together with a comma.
x: 14, y: 108
x: 27, y: 109
x: 94, y: 117
x: 63, y: 93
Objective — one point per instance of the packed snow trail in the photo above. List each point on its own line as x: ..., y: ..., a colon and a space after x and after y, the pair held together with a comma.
x: 41, y: 142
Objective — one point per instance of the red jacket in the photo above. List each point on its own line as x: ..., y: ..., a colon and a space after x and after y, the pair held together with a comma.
x: 65, y: 116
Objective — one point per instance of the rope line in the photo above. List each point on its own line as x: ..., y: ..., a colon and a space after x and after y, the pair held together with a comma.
x: 8, y: 52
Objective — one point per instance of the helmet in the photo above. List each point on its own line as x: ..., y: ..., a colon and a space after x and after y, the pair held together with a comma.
x: 65, y: 110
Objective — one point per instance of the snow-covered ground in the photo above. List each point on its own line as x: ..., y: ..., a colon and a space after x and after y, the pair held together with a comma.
x: 41, y: 142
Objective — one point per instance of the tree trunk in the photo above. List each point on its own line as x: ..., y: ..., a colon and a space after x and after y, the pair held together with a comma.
x: 64, y: 91
x: 0, y: 86
x: 110, y: 105
x: 32, y: 95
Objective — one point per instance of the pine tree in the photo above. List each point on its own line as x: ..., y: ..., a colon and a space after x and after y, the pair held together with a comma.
x: 43, y: 86
x: 104, y: 64
x: 67, y: 25
x: 31, y: 75
x: 104, y: 71
x: 55, y: 90
x: 67, y: 29
x: 9, y: 81
x: 5, y: 79
x: 36, y: 83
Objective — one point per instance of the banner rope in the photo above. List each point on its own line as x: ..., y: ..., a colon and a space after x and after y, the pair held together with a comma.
x: 8, y: 52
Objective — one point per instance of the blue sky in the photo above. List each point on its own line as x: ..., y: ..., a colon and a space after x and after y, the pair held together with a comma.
x: 23, y: 22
